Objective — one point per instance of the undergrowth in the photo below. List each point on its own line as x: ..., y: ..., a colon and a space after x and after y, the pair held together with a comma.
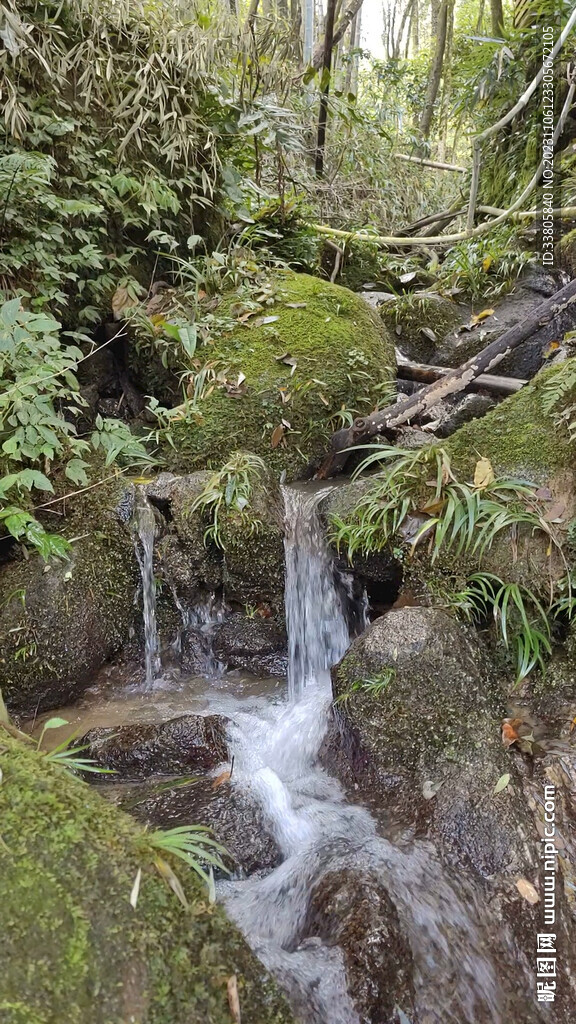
x: 417, y: 501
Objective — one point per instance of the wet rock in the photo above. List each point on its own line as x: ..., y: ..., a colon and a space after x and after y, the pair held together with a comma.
x: 352, y: 909
x: 379, y: 572
x: 421, y: 711
x: 188, y: 743
x: 257, y: 645
x: 235, y: 820
x: 455, y: 415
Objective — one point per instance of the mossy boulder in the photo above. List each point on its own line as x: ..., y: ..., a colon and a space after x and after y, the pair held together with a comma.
x: 421, y: 322
x: 565, y: 253
x: 317, y: 350
x: 247, y: 563
x: 75, y: 950
x: 519, y: 436
x: 421, y: 707
x: 61, y: 621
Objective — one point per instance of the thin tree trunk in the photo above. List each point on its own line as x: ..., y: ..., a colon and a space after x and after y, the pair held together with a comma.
x: 339, y: 31
x: 435, y: 73
x: 415, y: 29
x: 252, y: 12
x: 480, y: 16
x: 308, y: 46
x: 325, y: 88
x: 497, y: 16
x: 406, y: 14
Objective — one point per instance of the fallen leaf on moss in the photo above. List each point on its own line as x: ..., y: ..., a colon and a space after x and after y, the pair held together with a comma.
x: 277, y: 435
x: 136, y: 889
x: 509, y: 734
x: 234, y: 999
x: 483, y: 474
x: 477, y: 318
x: 221, y: 779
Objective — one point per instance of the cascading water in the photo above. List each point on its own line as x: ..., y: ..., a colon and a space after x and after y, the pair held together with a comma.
x: 276, y: 748
x: 145, y: 529
x: 315, y: 621
x: 199, y: 619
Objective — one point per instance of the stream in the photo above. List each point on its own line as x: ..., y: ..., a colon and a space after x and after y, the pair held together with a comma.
x: 275, y: 737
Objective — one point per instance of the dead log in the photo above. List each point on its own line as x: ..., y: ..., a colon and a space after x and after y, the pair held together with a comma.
x: 425, y: 374
x: 411, y: 407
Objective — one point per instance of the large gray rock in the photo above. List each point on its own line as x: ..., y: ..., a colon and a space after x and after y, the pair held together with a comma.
x: 420, y: 711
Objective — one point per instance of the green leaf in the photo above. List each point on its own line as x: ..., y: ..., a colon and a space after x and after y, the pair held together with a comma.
x: 502, y: 783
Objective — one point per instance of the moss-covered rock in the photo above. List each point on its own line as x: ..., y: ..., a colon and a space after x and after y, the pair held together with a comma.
x: 566, y: 253
x: 61, y: 621
x: 519, y: 437
x: 247, y: 563
x: 75, y: 951
x: 412, y: 317
x: 318, y: 349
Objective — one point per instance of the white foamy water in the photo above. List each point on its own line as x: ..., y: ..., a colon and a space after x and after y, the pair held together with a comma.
x: 275, y: 747
x: 145, y: 530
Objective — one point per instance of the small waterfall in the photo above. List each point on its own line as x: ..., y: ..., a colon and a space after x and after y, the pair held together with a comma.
x: 145, y: 529
x: 198, y: 620
x: 315, y: 619
x: 275, y: 748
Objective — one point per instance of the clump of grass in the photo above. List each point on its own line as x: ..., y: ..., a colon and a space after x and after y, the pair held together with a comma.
x: 416, y: 499
x: 230, y: 490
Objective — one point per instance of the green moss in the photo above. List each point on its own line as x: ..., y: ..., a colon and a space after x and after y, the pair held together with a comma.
x: 75, y: 951
x: 343, y: 358
x: 60, y: 622
x: 411, y: 313
x: 518, y: 437
x: 566, y: 253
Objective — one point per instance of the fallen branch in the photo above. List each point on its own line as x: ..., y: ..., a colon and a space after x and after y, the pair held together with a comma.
x: 425, y: 374
x: 430, y: 163
x: 403, y: 242
x: 409, y: 408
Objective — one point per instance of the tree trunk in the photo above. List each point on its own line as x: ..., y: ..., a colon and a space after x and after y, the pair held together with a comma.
x: 308, y: 45
x: 325, y: 87
x: 410, y: 408
x: 406, y: 14
x: 415, y: 30
x: 343, y: 23
x: 497, y: 16
x: 435, y: 73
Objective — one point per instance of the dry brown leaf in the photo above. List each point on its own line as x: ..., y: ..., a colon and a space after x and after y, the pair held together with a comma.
x: 483, y: 474
x: 527, y: 890
x: 509, y: 734
x: 555, y: 512
x: 234, y: 998
x: 277, y: 435
x: 221, y: 779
